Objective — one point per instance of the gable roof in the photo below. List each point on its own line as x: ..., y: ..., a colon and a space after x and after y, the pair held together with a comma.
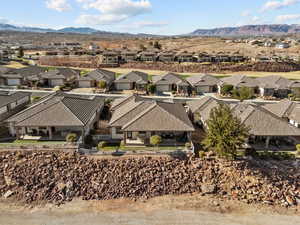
x: 59, y: 110
x: 240, y: 81
x: 160, y: 116
x: 196, y: 105
x: 169, y: 78
x: 30, y: 71
x: 100, y: 74
x: 274, y: 81
x: 134, y: 76
x: 10, y: 97
x: 121, y: 101
x: 202, y: 80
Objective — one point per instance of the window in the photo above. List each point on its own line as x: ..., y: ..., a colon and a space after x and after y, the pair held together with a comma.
x: 129, y: 134
x: 119, y: 131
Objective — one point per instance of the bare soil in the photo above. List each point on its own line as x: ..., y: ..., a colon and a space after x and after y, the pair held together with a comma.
x: 165, y: 210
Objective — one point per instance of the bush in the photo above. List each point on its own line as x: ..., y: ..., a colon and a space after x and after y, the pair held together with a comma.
x: 151, y: 88
x: 226, y: 89
x: 202, y: 154
x: 71, y: 137
x: 101, y: 145
x: 102, y: 84
x: 155, y: 140
x: 298, y: 150
x: 188, y: 145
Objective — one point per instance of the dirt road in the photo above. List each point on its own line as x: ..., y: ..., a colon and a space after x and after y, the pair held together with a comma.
x: 167, y: 210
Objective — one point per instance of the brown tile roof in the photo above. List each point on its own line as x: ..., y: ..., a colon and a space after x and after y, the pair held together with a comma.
x: 202, y: 80
x: 160, y: 116
x: 169, y: 78
x: 121, y: 101
x: 240, y: 81
x: 9, y: 97
x: 100, y: 74
x: 59, y: 110
x: 133, y: 76
x: 274, y: 81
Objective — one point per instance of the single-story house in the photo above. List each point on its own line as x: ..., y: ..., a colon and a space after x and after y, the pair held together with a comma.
x: 93, y: 78
x: 57, y: 115
x: 148, y: 56
x: 136, y: 121
x: 203, y: 83
x: 286, y: 109
x: 274, y: 85
x: 265, y: 127
x: 171, y: 82
x: 11, y: 78
x: 58, y: 77
x: 131, y: 81
x: 185, y: 57
x: 166, y: 57
x: 238, y: 81
x: 128, y: 56
x: 12, y: 102
x: 109, y: 57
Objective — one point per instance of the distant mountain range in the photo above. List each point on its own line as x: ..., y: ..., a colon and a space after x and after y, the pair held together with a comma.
x: 249, y: 30
x: 68, y: 30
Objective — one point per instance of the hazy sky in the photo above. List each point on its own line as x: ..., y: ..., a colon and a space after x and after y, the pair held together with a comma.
x: 150, y: 16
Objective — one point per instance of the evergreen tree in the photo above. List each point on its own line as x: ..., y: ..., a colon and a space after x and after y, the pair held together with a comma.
x: 225, y: 132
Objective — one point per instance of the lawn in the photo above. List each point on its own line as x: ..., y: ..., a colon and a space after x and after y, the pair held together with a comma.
x: 15, y: 65
x: 142, y: 148
x: 30, y: 142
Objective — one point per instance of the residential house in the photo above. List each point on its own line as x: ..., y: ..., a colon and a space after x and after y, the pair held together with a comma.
x: 203, y: 83
x: 136, y: 121
x: 171, y: 82
x: 59, y: 77
x: 93, y: 78
x: 128, y: 56
x: 12, y: 102
x: 282, y: 45
x: 109, y: 57
x: 148, y: 56
x: 286, y: 109
x: 11, y: 78
x: 266, y: 128
x: 166, y: 57
x: 204, y: 57
x: 238, y: 81
x: 185, y: 57
x: 135, y: 80
x: 274, y: 85
x: 116, y: 104
x: 57, y: 115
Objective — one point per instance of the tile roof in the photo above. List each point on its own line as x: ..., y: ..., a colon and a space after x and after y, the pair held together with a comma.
x: 133, y: 76
x: 169, y: 78
x: 121, y: 101
x: 274, y: 81
x: 9, y: 97
x: 240, y: 81
x: 203, y: 80
x: 59, y: 109
x: 100, y: 74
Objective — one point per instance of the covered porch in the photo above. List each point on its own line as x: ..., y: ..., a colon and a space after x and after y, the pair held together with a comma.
x: 169, y: 138
x: 273, y: 142
x: 47, y: 133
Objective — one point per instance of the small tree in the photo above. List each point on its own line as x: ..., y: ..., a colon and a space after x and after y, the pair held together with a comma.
x: 243, y: 93
x: 151, y: 88
x: 225, y: 133
x: 71, y: 137
x: 102, y: 84
x: 226, y: 89
x: 101, y: 145
x: 298, y: 149
x: 157, y: 45
x: 155, y: 140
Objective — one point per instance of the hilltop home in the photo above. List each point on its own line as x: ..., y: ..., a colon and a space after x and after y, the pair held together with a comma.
x: 171, y: 82
x: 266, y: 128
x: 148, y: 56
x: 12, y: 102
x: 136, y: 121
x: 57, y: 115
x: 128, y: 56
x: 93, y: 78
x: 109, y: 57
x: 238, y: 81
x: 135, y: 80
x: 166, y: 57
x: 274, y: 85
x: 203, y: 83
x: 185, y: 57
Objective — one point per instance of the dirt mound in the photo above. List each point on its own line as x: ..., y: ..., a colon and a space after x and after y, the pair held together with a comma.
x: 57, y: 177
x: 216, y: 67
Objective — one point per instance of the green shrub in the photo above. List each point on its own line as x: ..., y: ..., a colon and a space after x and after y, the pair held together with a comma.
x: 226, y: 89
x: 188, y: 145
x: 101, y: 145
x: 298, y: 150
x: 202, y: 154
x: 151, y: 88
x: 71, y: 137
x: 102, y: 84
x: 155, y: 140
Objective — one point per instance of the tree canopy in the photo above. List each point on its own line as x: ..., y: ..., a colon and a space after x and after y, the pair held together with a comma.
x: 225, y: 133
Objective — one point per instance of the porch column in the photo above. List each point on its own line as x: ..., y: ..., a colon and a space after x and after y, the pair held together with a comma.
x: 267, y: 142
x: 50, y: 133
x: 17, y: 133
x: 125, y: 137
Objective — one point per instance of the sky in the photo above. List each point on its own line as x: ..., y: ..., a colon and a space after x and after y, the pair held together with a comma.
x: 148, y: 16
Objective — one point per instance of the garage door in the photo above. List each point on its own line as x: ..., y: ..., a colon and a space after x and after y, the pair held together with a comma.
x: 162, y: 88
x: 123, y: 86
x: 84, y: 84
x: 203, y: 89
x: 13, y: 82
x: 57, y: 82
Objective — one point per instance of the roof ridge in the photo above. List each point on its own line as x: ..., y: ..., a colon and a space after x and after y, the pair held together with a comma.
x: 150, y: 108
x: 71, y: 111
x: 117, y: 119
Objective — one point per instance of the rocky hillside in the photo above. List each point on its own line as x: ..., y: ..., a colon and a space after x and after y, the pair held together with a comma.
x: 35, y: 177
x: 249, y: 30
